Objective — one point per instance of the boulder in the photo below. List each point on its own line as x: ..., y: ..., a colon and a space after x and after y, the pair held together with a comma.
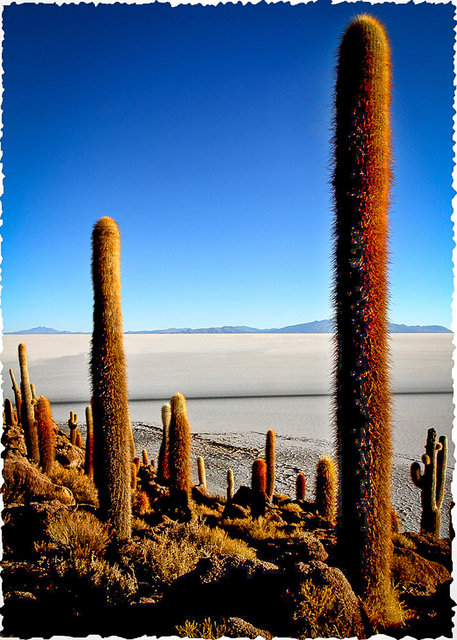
x: 13, y: 440
x: 239, y: 628
x: 68, y: 454
x: 24, y: 483
x: 224, y: 586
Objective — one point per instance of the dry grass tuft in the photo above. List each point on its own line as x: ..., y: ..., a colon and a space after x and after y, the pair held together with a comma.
x: 79, y: 534
x: 206, y: 629
x: 255, y: 528
x: 81, y: 486
x: 314, y: 611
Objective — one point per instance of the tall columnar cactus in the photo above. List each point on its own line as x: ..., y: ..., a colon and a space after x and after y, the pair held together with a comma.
x: 361, y: 180
x: 89, y: 455
x: 17, y: 394
x: 33, y: 391
x: 300, y: 486
x: 78, y: 439
x: 431, y: 482
x: 73, y: 426
x: 201, y: 472
x: 144, y: 455
x: 179, y: 452
x: 326, y: 489
x: 46, y: 434
x: 230, y: 485
x: 10, y: 419
x: 27, y: 410
x: 112, y: 431
x: 163, y: 470
x: 270, y: 457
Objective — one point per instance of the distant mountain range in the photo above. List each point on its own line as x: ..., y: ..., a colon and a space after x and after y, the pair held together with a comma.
x: 318, y: 326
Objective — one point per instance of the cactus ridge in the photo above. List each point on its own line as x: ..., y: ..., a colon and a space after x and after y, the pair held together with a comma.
x: 431, y: 482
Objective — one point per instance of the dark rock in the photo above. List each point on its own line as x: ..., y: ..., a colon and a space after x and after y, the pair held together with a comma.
x: 431, y: 548
x: 235, y: 511
x: 417, y: 574
x: 227, y: 586
x: 243, y: 497
x: 201, y: 496
x: 25, y: 524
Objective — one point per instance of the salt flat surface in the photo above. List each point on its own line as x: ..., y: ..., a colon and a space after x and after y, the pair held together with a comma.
x: 244, y: 383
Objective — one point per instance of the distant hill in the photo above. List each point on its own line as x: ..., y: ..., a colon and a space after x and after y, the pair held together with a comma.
x: 317, y: 326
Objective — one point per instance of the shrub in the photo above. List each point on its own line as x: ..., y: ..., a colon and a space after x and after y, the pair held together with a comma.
x: 206, y: 629
x: 79, y: 534
x: 81, y: 486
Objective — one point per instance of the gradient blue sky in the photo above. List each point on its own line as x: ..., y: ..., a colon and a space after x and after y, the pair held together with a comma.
x: 205, y: 133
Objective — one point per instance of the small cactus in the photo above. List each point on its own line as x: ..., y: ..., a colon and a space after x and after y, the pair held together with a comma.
x: 134, y: 479
x: 33, y: 390
x: 46, y: 434
x: 137, y: 463
x: 145, y: 458
x: 258, y: 486
x: 230, y: 485
x: 431, y: 482
x: 28, y: 413
x: 300, y: 486
x: 17, y: 394
x: 163, y: 470
x: 326, y: 489
x: 270, y: 457
x: 10, y: 418
x: 179, y: 452
x: 201, y: 473
x: 89, y: 457
x: 73, y: 426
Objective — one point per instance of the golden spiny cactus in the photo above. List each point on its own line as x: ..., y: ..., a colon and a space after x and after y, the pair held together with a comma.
x: 73, y: 426
x: 326, y: 489
x: 163, y: 470
x: 145, y: 458
x: 300, y: 486
x: 179, y: 452
x: 112, y: 429
x: 10, y: 418
x: 46, y: 434
x: 259, y: 476
x: 201, y: 472
x: 78, y: 439
x: 28, y: 413
x: 89, y: 456
x: 361, y: 180
x: 17, y: 394
x: 270, y: 458
x: 134, y: 476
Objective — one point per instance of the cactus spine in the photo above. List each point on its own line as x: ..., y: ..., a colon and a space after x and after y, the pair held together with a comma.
x: 17, y: 394
x: 89, y: 456
x: 28, y: 413
x: 431, y: 482
x: 300, y: 486
x: 163, y: 470
x: 361, y: 181
x: 230, y: 485
x: 112, y: 431
x: 201, y: 472
x: 46, y: 434
x: 326, y: 489
x: 179, y: 452
x: 270, y: 457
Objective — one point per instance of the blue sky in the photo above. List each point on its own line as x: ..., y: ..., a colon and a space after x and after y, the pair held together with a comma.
x: 205, y: 133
